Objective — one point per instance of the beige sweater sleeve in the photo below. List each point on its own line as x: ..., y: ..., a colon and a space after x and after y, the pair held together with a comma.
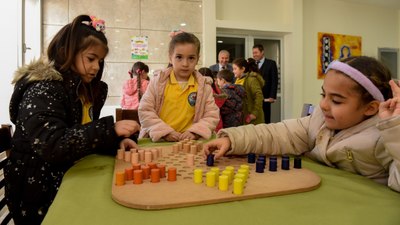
x: 287, y: 137
x: 390, y: 131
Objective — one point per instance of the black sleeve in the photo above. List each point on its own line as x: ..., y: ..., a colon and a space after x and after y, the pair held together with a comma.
x: 43, y: 118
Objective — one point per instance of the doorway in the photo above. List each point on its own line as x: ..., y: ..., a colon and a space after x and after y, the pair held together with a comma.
x: 241, y: 46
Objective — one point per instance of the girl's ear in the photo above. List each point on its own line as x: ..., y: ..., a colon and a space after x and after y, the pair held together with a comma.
x: 372, y: 108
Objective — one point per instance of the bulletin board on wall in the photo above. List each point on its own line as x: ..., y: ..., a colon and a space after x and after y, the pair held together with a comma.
x: 140, y: 47
x: 335, y: 46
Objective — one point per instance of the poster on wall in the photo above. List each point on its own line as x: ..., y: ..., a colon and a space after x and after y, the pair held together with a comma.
x: 139, y: 47
x: 335, y: 46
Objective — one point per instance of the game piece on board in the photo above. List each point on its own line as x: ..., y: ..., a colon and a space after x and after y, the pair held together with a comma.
x: 198, y: 176
x: 261, y: 158
x: 138, y: 176
x: 210, y: 179
x: 245, y: 167
x: 135, y: 158
x: 244, y: 172
x: 127, y: 156
x: 186, y: 148
x: 210, y: 160
x: 171, y: 174
x: 162, y: 170
x: 152, y: 165
x: 136, y: 166
x: 193, y: 149
x: 285, y: 165
x: 120, y: 154
x: 297, y: 162
x: 273, y: 164
x: 238, y: 185
x: 189, y: 159
x: 240, y: 176
x: 216, y: 170
x: 120, y: 178
x: 155, y: 175
x: 146, y: 172
x: 129, y: 173
x: 260, y: 166
x: 229, y: 174
x: 154, y: 154
x: 147, y: 156
x: 251, y: 158
x: 141, y: 154
x: 223, y: 183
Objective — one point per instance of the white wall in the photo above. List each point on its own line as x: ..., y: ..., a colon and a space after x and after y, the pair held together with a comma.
x: 377, y: 26
x: 8, y: 58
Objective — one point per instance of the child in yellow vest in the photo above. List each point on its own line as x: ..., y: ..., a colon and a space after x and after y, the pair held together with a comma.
x: 178, y: 103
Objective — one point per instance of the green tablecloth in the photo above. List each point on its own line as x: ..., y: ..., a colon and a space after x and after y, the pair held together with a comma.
x: 343, y: 198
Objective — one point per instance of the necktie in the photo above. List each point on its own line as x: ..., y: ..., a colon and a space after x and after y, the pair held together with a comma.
x: 223, y: 68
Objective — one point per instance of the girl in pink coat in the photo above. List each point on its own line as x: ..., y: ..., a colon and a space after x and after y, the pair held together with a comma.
x: 135, y: 87
x: 179, y: 103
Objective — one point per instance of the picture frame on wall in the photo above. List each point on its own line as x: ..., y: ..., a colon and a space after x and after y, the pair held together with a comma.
x: 335, y: 46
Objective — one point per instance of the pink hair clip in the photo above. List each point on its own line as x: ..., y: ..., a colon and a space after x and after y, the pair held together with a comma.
x: 97, y: 24
x: 175, y: 32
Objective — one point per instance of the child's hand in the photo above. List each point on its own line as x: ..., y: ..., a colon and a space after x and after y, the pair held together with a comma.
x: 221, y: 144
x: 173, y: 136
x: 250, y: 117
x: 127, y: 144
x: 391, y: 107
x: 188, y: 135
x: 125, y: 128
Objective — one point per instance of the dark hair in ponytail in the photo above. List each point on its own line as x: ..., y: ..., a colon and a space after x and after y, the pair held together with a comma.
x: 66, y: 45
x: 138, y: 69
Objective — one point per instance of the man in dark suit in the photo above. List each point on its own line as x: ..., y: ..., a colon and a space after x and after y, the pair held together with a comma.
x: 223, y: 62
x: 269, y: 72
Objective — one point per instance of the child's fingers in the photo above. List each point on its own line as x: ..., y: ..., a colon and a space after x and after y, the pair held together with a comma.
x: 220, y: 153
x: 392, y: 103
x: 206, y: 151
x: 395, y: 88
x: 384, y: 105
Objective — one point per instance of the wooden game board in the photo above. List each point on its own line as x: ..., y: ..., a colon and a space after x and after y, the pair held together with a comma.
x: 184, y: 192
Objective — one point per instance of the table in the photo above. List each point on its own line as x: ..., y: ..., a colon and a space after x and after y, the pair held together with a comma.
x: 343, y: 198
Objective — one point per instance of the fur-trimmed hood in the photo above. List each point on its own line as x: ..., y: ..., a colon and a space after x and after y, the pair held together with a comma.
x: 259, y: 78
x: 37, y: 70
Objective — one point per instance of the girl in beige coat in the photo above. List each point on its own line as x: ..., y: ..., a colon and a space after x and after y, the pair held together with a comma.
x: 355, y: 127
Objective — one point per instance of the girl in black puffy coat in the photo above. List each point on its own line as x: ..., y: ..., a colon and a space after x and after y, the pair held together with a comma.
x: 56, y: 107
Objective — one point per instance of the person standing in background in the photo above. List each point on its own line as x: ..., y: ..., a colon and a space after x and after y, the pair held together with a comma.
x: 247, y: 75
x: 232, y: 110
x: 223, y: 62
x: 269, y: 72
x: 135, y: 87
x: 218, y: 97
